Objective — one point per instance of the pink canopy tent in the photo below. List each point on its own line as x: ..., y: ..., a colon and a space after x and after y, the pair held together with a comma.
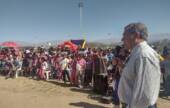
x: 9, y: 44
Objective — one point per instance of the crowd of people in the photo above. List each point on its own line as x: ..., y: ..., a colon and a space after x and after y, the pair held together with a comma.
x: 76, y: 67
x: 128, y: 67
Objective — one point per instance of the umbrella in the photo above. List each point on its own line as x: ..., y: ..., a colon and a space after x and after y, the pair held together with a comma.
x: 9, y: 44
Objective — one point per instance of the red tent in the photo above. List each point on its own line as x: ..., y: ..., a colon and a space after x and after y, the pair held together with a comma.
x: 9, y: 44
x: 69, y: 45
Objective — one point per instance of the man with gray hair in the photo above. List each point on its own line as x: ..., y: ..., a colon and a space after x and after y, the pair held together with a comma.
x: 140, y: 80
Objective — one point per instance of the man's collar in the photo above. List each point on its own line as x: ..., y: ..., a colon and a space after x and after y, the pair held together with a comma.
x: 137, y: 46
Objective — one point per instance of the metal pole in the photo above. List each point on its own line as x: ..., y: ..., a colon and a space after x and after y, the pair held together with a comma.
x: 81, y: 16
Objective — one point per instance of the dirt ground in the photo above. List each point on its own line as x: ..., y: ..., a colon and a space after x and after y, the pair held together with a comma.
x: 28, y: 93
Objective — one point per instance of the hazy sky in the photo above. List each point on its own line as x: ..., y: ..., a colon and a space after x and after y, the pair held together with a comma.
x: 46, y: 20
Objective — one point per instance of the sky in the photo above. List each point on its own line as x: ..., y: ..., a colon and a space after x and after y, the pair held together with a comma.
x: 47, y: 20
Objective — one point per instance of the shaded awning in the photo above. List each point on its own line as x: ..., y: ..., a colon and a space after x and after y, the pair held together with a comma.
x: 9, y: 44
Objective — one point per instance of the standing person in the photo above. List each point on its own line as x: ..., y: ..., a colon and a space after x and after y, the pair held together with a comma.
x: 58, y: 70
x: 116, y: 79
x: 18, y: 65
x: 26, y: 63
x: 80, y: 68
x: 165, y: 51
x: 118, y: 63
x: 88, y: 71
x: 69, y: 69
x: 34, y: 64
x: 110, y: 55
x: 9, y: 66
x: 140, y: 79
x: 73, y: 70
x: 43, y: 68
x: 64, y: 67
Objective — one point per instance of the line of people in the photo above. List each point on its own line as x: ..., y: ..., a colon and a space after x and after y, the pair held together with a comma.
x: 61, y: 64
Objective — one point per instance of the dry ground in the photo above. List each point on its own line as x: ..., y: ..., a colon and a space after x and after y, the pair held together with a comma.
x: 28, y: 93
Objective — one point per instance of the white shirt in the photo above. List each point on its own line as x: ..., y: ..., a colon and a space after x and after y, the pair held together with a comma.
x: 64, y: 64
x: 140, y: 80
x: 44, y: 65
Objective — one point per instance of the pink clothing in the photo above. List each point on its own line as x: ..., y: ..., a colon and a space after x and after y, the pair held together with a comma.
x: 42, y: 69
x: 73, y: 72
x: 41, y: 73
x: 58, y: 67
x: 35, y: 61
x: 82, y: 63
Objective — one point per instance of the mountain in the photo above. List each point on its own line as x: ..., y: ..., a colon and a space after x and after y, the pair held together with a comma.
x: 24, y: 44
x: 158, y: 37
x: 111, y: 40
x: 117, y: 40
x: 45, y: 44
x: 52, y: 43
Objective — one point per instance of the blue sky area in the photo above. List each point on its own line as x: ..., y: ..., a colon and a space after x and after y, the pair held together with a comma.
x: 46, y: 20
